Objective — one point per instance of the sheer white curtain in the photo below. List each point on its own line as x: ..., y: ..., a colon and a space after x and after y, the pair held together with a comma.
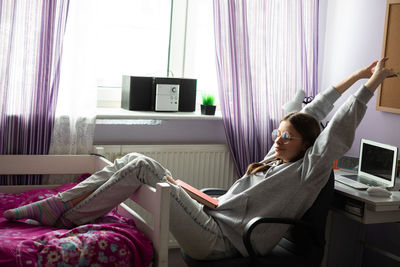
x: 75, y: 114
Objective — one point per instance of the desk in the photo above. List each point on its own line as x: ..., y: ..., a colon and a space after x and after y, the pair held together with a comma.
x: 374, y: 209
x: 367, y: 238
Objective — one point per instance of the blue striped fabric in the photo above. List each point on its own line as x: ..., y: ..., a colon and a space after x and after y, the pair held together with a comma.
x: 266, y: 50
x: 31, y: 34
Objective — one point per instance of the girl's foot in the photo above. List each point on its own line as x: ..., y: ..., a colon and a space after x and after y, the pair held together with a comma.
x: 45, y: 211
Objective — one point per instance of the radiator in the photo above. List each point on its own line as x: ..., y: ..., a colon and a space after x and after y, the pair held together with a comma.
x: 198, y: 165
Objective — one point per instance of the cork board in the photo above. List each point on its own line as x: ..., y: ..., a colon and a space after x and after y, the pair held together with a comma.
x: 389, y: 92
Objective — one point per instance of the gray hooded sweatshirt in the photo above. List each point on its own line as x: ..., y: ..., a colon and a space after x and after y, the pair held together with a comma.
x: 289, y: 189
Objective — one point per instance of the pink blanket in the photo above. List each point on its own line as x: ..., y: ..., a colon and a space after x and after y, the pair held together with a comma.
x: 112, y: 240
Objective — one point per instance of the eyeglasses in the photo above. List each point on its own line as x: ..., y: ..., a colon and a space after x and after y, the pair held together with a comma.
x: 285, y: 136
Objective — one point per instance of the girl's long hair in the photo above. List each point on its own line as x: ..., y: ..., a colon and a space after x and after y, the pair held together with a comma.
x: 307, y: 126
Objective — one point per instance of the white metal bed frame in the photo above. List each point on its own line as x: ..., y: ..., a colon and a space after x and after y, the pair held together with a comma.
x: 154, y: 200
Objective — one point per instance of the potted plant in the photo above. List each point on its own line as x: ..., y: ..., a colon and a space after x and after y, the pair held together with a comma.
x: 208, y: 107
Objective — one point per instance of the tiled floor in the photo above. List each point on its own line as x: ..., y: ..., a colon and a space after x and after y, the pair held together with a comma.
x: 175, y: 258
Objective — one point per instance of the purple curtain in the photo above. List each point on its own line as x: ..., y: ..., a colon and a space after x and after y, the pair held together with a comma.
x: 266, y: 51
x: 31, y: 34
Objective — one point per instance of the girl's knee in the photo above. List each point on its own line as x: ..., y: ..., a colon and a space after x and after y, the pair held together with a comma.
x: 145, y: 165
x: 139, y: 159
x: 132, y: 156
x: 125, y: 160
x: 129, y: 159
x: 144, y: 160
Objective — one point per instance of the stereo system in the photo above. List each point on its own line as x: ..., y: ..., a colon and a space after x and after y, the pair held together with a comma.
x: 158, y: 94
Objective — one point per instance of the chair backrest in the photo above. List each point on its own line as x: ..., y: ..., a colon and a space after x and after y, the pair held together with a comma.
x: 298, y: 238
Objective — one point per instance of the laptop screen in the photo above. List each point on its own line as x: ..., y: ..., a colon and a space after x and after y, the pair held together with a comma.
x: 378, y: 161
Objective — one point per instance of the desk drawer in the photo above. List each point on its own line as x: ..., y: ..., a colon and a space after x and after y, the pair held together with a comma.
x: 352, y: 206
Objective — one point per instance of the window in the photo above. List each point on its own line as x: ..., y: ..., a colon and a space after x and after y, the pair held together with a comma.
x: 200, y: 48
x: 132, y: 38
x: 141, y: 38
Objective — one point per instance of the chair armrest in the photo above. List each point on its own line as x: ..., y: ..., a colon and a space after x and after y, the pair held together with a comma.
x: 253, y: 223
x: 213, y: 191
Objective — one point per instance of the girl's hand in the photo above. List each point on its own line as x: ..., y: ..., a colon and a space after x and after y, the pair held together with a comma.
x: 366, y: 72
x: 383, y: 72
x: 170, y: 179
x: 379, y: 75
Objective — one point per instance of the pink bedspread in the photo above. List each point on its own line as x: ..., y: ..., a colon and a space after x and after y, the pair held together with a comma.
x: 111, y: 241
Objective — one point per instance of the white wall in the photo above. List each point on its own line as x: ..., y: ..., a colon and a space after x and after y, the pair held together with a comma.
x: 350, y: 37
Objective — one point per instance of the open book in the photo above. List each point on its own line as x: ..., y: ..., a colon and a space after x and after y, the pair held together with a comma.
x: 199, y: 196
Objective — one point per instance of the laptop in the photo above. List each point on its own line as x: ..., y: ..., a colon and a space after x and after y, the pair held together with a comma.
x: 376, y: 167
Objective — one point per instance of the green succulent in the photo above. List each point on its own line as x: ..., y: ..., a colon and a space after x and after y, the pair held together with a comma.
x: 208, y: 100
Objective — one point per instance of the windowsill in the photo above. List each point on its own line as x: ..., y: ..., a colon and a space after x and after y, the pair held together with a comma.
x: 119, y: 113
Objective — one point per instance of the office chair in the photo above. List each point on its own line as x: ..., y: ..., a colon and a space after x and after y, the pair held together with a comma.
x: 302, y: 245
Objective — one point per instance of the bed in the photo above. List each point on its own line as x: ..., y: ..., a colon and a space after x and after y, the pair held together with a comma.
x: 27, y: 242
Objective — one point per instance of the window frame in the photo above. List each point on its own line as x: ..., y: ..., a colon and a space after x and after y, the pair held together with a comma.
x: 110, y: 97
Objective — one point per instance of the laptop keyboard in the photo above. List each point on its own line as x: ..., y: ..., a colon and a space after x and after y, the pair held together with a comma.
x: 351, y: 176
x: 350, y: 182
